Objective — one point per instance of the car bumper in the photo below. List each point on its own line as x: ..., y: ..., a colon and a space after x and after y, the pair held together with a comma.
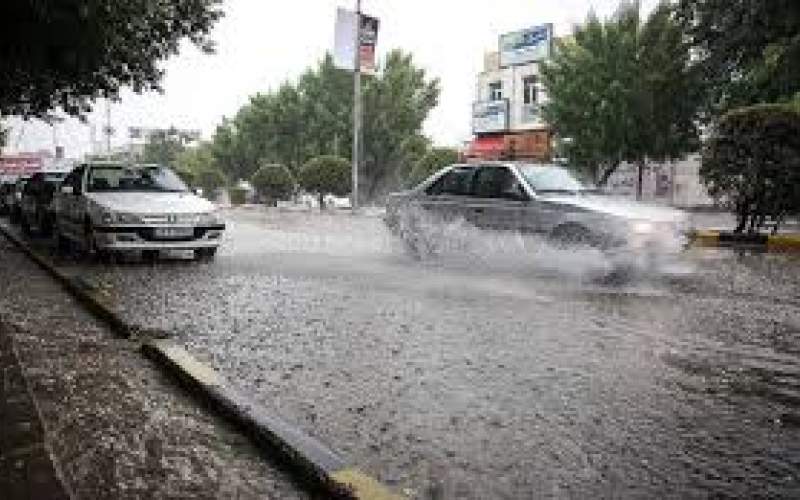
x: 146, y: 238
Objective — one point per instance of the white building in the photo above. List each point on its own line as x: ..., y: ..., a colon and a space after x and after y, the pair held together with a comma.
x: 506, y: 114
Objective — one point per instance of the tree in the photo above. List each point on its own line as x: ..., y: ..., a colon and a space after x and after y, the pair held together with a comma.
x: 326, y: 174
x: 191, y: 161
x: 621, y: 90
x: 209, y: 179
x: 313, y: 117
x: 163, y: 148
x: 66, y: 54
x: 433, y: 161
x: 752, y: 161
x: 274, y: 182
x: 396, y: 105
x: 746, y: 51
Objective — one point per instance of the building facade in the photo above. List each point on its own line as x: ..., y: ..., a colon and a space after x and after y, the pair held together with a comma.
x: 506, y: 114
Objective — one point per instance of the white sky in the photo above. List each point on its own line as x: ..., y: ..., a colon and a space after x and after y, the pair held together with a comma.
x: 262, y: 43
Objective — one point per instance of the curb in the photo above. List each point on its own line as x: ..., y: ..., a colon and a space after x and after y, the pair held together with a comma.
x: 770, y: 242
x: 310, y: 456
x: 304, y: 453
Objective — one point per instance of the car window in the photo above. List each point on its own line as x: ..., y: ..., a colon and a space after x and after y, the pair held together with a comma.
x: 112, y: 178
x: 495, y: 182
x: 544, y: 178
x: 455, y: 182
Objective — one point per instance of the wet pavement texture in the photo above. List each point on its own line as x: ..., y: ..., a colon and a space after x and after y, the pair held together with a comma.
x: 114, y: 425
x: 501, y: 367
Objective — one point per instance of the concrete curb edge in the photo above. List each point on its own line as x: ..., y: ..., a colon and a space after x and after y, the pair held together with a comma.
x: 771, y: 242
x: 268, y: 432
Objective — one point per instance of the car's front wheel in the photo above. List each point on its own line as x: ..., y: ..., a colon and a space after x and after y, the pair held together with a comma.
x: 205, y: 253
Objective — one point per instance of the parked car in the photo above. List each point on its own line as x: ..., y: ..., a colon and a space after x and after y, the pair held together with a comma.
x: 109, y: 208
x: 532, y: 198
x: 14, y: 200
x: 6, y: 197
x: 37, y: 210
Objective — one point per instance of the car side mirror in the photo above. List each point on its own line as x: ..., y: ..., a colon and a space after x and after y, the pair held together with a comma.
x: 67, y: 190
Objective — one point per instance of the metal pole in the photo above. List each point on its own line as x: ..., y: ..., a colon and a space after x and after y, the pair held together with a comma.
x: 108, y: 127
x: 356, y: 106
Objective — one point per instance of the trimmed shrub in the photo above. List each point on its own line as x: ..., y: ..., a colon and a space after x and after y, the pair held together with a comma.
x: 326, y: 174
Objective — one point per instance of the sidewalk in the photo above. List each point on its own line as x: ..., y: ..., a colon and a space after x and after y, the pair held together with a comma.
x: 26, y: 468
x: 110, y: 422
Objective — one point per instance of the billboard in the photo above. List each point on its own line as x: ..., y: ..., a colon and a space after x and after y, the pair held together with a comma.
x: 21, y: 164
x: 344, y: 44
x: 524, y: 46
x: 489, y: 116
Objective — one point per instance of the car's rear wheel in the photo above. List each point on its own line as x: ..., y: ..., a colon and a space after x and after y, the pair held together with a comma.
x: 23, y: 224
x: 62, y: 243
x: 205, y: 253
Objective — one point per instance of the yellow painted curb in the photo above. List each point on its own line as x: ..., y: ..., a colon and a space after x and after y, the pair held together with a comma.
x: 362, y: 486
x: 705, y: 238
x: 784, y: 241
x: 188, y: 364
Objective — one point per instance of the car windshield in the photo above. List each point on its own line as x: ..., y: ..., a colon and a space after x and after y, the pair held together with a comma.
x: 156, y: 178
x: 550, y: 178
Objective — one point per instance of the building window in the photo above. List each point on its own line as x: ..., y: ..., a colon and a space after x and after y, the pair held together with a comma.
x: 529, y: 90
x: 495, y: 91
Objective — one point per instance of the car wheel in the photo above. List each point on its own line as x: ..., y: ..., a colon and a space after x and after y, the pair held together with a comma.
x: 150, y: 255
x: 205, y: 253
x: 572, y: 235
x: 23, y: 224
x: 62, y: 243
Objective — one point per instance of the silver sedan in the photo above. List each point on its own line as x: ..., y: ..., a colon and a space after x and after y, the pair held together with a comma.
x: 535, y: 198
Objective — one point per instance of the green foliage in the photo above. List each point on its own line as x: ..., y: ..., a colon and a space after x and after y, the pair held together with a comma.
x: 65, y: 54
x: 163, y: 148
x: 238, y: 195
x: 746, y: 51
x: 621, y: 90
x: 209, y: 179
x: 753, y: 162
x: 433, y: 161
x: 326, y: 174
x: 273, y: 182
x: 313, y: 117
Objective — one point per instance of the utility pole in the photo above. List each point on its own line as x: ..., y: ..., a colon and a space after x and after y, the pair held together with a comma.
x: 108, y: 129
x: 356, y: 107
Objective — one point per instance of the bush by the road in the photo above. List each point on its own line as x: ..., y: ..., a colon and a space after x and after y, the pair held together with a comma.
x: 209, y: 179
x: 273, y: 182
x: 433, y: 160
x: 752, y: 162
x: 237, y: 195
x: 326, y: 174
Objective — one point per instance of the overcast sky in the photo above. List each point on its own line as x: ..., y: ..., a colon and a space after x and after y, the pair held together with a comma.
x: 263, y: 43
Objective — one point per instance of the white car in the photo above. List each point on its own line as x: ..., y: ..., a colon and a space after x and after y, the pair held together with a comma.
x: 110, y: 208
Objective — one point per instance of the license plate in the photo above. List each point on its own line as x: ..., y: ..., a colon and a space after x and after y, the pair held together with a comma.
x: 173, y: 232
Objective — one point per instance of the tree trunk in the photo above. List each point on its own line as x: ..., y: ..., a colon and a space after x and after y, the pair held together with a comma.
x: 321, y: 201
x: 607, y: 173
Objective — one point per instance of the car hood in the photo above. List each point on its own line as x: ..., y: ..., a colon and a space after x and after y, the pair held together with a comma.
x: 151, y: 203
x: 619, y: 207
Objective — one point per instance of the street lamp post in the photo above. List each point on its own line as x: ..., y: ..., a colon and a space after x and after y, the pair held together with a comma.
x: 356, y: 107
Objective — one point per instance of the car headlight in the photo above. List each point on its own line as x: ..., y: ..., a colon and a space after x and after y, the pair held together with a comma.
x: 643, y: 227
x: 208, y: 218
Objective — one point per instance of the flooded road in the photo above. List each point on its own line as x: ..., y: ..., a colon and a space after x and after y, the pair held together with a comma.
x: 502, y: 368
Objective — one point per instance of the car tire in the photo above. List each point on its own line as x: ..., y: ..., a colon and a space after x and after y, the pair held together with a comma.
x: 205, y: 253
x: 572, y: 235
x: 23, y: 224
x: 62, y: 243
x: 150, y: 255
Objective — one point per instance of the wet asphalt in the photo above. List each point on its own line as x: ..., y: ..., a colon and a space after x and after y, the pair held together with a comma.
x: 500, y: 367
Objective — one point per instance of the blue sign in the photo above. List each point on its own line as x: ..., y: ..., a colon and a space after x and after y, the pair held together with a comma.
x: 524, y: 46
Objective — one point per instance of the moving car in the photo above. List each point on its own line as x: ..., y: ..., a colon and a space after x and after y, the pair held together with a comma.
x: 36, y: 206
x: 108, y: 208
x: 534, y: 198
